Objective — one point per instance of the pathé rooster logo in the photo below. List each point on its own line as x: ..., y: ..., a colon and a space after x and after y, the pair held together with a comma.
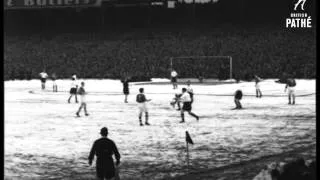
x: 300, y: 2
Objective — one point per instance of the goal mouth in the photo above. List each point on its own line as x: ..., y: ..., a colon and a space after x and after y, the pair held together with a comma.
x: 193, y: 82
x: 204, y: 80
x: 202, y: 69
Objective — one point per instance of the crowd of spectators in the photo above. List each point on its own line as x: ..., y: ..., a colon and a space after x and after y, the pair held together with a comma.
x: 297, y: 169
x: 266, y: 51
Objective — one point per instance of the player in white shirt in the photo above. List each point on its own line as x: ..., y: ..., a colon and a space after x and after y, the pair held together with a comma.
x: 175, y: 100
x: 290, y: 85
x: 187, y: 105
x: 142, y: 104
x: 73, y: 89
x: 257, y: 85
x: 83, y: 105
x: 190, y: 90
x: 174, y: 75
x: 43, y: 78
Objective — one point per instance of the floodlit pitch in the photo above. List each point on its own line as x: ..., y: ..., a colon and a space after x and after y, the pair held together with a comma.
x: 45, y: 139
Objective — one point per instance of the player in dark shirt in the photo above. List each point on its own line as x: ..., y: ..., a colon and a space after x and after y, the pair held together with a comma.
x: 175, y: 101
x: 104, y: 148
x: 125, y: 83
x: 237, y: 98
x: 142, y: 105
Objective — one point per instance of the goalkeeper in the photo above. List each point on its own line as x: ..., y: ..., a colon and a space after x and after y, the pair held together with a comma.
x: 174, y: 75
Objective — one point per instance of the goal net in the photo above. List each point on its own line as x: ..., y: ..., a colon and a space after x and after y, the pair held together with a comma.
x: 202, y: 67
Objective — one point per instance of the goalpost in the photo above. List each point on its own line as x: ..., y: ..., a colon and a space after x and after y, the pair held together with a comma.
x: 203, y: 67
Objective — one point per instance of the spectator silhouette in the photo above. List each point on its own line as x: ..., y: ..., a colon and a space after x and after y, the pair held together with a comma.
x: 104, y: 148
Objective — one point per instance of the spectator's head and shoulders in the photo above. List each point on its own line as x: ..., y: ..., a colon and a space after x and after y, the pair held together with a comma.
x: 104, y: 136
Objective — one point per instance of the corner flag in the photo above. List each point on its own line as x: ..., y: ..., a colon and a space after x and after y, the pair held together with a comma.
x: 188, y: 138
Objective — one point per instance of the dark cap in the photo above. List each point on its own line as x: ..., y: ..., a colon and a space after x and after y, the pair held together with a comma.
x: 104, y: 131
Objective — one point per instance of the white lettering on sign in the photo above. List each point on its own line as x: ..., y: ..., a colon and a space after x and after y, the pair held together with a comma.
x: 28, y: 2
x: 41, y: 2
x: 59, y: 2
x: 9, y: 3
x: 67, y: 2
x: 50, y: 2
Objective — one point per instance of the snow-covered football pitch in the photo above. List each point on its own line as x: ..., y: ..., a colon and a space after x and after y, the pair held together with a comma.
x: 45, y: 140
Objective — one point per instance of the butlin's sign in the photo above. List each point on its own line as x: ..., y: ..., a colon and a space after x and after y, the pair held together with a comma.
x: 21, y: 4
